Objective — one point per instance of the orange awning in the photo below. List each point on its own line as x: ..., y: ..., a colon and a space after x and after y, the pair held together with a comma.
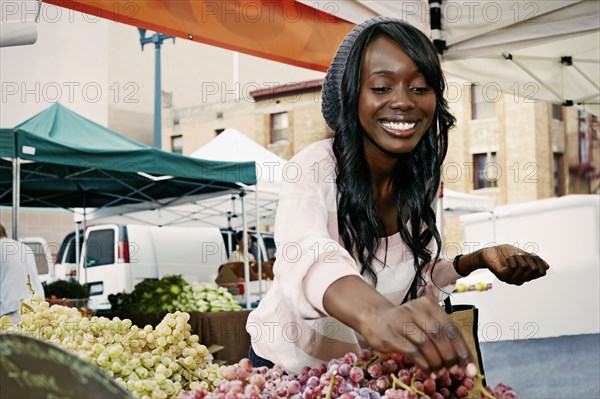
x: 279, y: 30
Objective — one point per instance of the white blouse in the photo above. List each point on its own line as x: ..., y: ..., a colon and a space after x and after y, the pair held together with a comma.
x: 290, y: 327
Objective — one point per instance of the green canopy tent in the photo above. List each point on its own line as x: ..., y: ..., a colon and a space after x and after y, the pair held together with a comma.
x: 58, y: 158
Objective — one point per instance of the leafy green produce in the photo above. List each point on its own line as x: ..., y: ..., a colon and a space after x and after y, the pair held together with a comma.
x: 172, y: 293
x: 153, y: 296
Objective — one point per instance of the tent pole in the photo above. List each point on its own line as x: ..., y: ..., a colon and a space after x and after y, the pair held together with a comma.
x: 84, y: 228
x: 16, y: 197
x: 259, y: 252
x: 77, y: 251
x: 533, y: 75
x: 246, y: 263
x: 590, y: 81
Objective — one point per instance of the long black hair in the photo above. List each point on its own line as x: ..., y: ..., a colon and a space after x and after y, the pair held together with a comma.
x: 416, y: 177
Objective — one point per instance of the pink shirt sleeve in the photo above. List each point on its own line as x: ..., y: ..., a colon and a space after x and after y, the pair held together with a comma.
x: 309, y: 259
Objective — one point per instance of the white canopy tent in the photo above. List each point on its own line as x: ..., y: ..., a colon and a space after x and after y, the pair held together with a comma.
x: 537, y: 50
x: 270, y: 170
x: 456, y: 203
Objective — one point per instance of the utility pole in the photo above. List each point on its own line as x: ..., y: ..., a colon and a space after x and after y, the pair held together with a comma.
x: 157, y: 39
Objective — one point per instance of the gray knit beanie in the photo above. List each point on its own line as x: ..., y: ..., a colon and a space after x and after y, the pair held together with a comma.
x: 331, y: 105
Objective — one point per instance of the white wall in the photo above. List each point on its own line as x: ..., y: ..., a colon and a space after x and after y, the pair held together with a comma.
x: 563, y: 231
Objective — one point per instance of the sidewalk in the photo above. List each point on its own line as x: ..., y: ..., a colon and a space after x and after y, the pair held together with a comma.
x: 565, y: 367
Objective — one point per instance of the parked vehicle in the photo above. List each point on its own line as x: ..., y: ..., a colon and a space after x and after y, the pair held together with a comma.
x: 66, y: 260
x: 43, y: 258
x: 117, y: 257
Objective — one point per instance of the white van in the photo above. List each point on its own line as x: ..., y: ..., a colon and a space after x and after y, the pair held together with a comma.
x: 43, y: 258
x: 117, y: 257
x: 66, y: 260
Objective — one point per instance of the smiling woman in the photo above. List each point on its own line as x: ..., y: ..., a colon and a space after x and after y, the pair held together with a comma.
x: 367, y: 269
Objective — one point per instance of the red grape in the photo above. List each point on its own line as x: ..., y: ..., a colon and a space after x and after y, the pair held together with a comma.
x: 461, y: 392
x: 429, y: 386
x: 356, y: 374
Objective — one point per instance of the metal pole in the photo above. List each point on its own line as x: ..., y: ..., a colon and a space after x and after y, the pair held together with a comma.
x: 16, y: 197
x: 157, y: 39
x: 245, y: 246
x: 157, y: 98
x: 84, y: 228
x: 259, y: 241
x: 77, y: 251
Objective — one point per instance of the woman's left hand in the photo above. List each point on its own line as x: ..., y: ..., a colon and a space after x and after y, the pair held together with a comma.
x: 512, y: 265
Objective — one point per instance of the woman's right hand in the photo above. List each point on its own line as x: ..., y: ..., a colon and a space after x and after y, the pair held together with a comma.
x: 421, y: 330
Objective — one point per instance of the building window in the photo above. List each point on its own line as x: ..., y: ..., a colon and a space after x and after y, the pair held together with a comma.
x: 279, y: 127
x: 557, y: 112
x: 558, y: 174
x: 219, y: 131
x: 177, y: 144
x: 587, y: 135
x: 483, y: 102
x: 486, y: 170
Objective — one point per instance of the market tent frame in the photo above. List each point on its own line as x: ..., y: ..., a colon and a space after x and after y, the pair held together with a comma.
x: 58, y: 158
x: 533, y: 49
x: 536, y: 50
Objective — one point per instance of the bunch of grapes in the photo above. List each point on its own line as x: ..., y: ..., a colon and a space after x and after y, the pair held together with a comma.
x: 366, y: 375
x: 502, y: 391
x: 150, y: 362
x: 206, y: 297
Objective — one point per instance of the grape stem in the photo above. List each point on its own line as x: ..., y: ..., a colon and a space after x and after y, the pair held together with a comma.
x: 190, y: 371
x: 331, y: 383
x: 371, y: 360
x: 397, y: 382
x: 479, y: 389
x: 26, y: 306
x: 415, y: 390
x: 31, y: 292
